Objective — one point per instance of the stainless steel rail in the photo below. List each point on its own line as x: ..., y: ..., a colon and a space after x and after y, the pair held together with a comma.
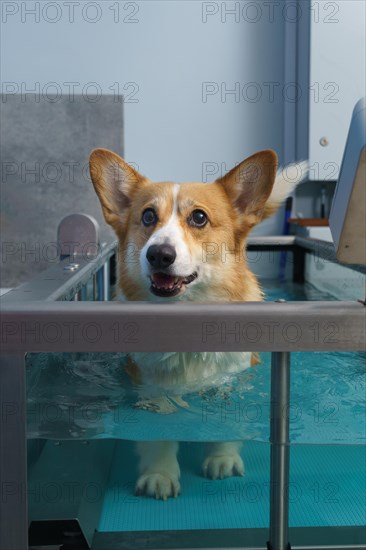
x: 61, y: 283
x: 127, y: 327
x: 65, y: 279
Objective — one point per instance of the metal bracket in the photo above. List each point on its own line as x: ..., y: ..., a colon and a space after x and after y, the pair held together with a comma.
x: 78, y: 235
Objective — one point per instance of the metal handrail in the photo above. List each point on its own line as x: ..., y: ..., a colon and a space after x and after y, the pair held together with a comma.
x: 127, y: 326
x: 59, y: 283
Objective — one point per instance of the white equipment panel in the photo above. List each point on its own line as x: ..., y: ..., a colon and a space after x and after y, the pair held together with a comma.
x: 348, y: 215
x: 337, y: 80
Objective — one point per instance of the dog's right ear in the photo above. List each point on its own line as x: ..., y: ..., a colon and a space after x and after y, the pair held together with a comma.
x: 115, y: 181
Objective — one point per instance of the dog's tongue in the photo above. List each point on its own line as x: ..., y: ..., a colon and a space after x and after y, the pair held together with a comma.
x: 161, y: 280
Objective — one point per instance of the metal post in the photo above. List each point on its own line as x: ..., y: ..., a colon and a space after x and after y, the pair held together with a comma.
x: 298, y: 269
x: 107, y: 281
x: 100, y: 284
x: 13, y: 456
x: 95, y: 288
x: 83, y: 294
x: 280, y: 451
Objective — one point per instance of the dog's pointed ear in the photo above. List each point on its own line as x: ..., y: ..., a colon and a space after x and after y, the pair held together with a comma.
x: 115, y: 181
x: 249, y: 184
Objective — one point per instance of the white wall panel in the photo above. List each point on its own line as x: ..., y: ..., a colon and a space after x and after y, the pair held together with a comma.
x: 337, y: 80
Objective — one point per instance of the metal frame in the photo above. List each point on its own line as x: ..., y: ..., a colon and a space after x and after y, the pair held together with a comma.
x: 33, y: 321
x: 13, y: 460
x: 319, y: 538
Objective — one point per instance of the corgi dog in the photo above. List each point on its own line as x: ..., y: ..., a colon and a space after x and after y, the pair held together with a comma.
x: 187, y: 241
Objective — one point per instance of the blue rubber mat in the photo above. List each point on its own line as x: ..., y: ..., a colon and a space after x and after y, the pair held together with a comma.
x: 327, y: 489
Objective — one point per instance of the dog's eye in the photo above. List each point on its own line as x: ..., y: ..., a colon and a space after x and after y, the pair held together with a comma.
x: 198, y: 218
x: 149, y: 217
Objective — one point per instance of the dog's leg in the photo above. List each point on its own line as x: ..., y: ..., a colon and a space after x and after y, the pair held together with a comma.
x: 159, y: 469
x: 223, y: 460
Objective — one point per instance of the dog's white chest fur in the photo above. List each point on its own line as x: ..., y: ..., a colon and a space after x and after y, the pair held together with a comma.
x: 196, y: 368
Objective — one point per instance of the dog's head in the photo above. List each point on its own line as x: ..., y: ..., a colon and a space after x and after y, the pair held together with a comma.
x: 183, y: 241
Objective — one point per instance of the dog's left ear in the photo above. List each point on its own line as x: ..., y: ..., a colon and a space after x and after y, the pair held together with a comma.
x: 249, y: 184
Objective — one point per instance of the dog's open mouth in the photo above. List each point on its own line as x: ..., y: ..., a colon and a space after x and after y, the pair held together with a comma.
x: 167, y: 286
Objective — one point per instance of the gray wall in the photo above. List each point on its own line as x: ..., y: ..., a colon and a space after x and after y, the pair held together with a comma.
x: 161, y: 55
x: 45, y: 148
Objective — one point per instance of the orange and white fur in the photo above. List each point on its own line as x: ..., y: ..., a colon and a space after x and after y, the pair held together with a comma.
x: 187, y: 242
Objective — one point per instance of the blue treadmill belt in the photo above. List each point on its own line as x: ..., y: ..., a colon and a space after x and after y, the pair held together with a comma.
x: 327, y: 489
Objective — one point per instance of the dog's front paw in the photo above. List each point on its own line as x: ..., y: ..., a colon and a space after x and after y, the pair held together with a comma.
x: 160, y: 486
x: 220, y: 466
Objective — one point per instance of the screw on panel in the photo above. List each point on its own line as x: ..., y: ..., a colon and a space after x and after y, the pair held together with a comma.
x: 324, y: 141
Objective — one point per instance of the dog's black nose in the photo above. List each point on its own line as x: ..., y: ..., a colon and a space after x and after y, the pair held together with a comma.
x: 160, y: 255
